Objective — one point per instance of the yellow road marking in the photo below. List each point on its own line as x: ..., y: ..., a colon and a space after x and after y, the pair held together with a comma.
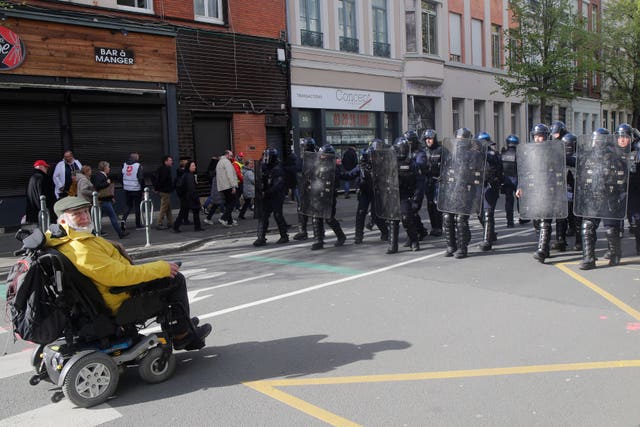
x: 267, y: 387
x: 604, y: 294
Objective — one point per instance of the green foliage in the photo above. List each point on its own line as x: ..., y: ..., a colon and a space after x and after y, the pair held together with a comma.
x: 621, y: 54
x: 549, y: 51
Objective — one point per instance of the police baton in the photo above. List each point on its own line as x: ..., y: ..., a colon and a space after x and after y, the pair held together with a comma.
x: 43, y: 215
x: 96, y: 214
x: 146, y: 210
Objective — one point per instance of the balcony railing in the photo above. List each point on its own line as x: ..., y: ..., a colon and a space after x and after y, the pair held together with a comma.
x: 382, y: 49
x: 311, y: 38
x: 348, y: 44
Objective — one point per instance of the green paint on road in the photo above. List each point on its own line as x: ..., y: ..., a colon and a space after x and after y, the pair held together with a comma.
x: 3, y: 292
x: 303, y: 264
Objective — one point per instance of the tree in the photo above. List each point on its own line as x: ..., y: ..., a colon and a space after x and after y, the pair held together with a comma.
x: 549, y: 50
x: 621, y: 55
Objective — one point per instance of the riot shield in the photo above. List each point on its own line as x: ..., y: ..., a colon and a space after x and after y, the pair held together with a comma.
x: 461, y: 176
x: 386, y: 190
x: 259, y: 197
x: 542, y: 179
x: 602, y: 178
x: 318, y: 179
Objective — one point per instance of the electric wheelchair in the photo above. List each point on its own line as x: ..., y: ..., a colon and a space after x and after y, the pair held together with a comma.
x: 94, y: 347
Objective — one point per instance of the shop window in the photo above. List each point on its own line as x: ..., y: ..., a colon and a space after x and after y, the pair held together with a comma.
x: 209, y: 10
x: 350, y: 128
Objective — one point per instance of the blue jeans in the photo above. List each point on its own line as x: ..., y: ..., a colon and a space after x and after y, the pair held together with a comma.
x: 107, y: 209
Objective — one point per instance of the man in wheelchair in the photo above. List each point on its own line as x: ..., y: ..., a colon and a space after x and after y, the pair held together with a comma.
x: 114, y: 275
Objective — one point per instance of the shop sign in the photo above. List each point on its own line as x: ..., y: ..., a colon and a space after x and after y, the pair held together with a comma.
x: 12, y: 52
x: 350, y: 119
x: 336, y: 99
x: 105, y: 55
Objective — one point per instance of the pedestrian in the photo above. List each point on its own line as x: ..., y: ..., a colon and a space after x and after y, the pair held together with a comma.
x: 249, y: 188
x: 215, y: 201
x: 132, y: 183
x: 40, y: 184
x: 179, y: 172
x: 163, y: 185
x: 64, y: 175
x: 237, y: 165
x: 85, y: 187
x: 186, y: 189
x: 106, y: 195
x: 227, y: 182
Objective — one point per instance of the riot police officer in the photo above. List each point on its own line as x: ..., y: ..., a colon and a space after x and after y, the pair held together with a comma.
x: 492, y: 181
x: 318, y: 222
x: 510, y: 173
x: 366, y: 196
x: 558, y: 130
x: 571, y: 225
x: 272, y: 193
x: 408, y: 180
x: 419, y: 157
x: 601, y: 192
x: 456, y: 226
x: 633, y: 203
x: 434, y: 154
x: 306, y: 145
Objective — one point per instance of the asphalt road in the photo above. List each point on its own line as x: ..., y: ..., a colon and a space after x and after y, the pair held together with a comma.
x: 351, y: 336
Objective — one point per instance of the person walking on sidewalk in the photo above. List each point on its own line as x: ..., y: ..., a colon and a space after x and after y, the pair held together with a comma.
x: 64, y: 175
x: 249, y: 188
x: 85, y: 187
x: 163, y: 185
x: 40, y: 184
x: 106, y: 193
x: 132, y: 183
x: 186, y: 189
x: 227, y: 181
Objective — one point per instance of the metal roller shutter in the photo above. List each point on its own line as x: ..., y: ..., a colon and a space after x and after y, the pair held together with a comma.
x: 29, y: 132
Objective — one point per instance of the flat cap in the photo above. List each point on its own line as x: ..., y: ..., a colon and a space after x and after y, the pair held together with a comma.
x: 67, y: 203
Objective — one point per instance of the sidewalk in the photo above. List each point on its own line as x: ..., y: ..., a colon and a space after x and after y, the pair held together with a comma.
x: 167, y: 242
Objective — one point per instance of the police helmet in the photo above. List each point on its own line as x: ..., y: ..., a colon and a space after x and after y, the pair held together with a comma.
x: 540, y: 129
x: 430, y: 134
x: 270, y: 156
x: 412, y: 136
x: 570, y: 141
x: 309, y: 144
x: 327, y: 149
x: 379, y: 144
x: 624, y: 130
x: 512, y: 141
x: 365, y: 155
x: 402, y: 146
x: 485, y: 138
x: 559, y: 128
x: 463, y: 133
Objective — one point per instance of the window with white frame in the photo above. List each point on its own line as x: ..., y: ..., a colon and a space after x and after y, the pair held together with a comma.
x: 410, y: 24
x: 476, y: 42
x: 138, y: 4
x: 429, y: 28
x: 381, y: 45
x: 455, y: 38
x: 310, y: 23
x: 209, y: 10
x: 347, y: 26
x: 143, y: 6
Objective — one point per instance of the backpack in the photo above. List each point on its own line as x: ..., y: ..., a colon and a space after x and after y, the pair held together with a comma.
x: 33, y: 301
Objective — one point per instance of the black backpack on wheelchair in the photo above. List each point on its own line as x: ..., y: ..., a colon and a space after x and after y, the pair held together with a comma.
x: 90, y: 347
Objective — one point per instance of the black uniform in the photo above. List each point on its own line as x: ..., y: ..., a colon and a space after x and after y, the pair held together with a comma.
x: 273, y: 188
x: 366, y: 199
x: 493, y: 178
x: 432, y: 184
x: 510, y: 183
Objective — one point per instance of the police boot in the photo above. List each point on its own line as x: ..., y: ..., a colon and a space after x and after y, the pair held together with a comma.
x: 409, y: 224
x: 578, y: 245
x: 571, y: 223
x: 369, y: 224
x: 282, y: 228
x: 615, y: 245
x: 463, y: 235
x: 383, y: 227
x: 302, y: 228
x: 394, y: 227
x: 588, y: 231
x: 261, y: 232
x: 421, y: 229
x: 318, y: 231
x: 435, y: 216
x: 543, y: 241
x: 510, y: 223
x: 360, y: 219
x: 335, y: 226
x: 449, y: 233
x: 561, y: 236
x: 489, y: 226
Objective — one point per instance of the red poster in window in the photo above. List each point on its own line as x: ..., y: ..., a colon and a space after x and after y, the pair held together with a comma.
x: 12, y: 52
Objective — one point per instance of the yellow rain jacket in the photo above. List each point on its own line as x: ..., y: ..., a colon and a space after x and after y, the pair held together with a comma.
x: 101, y: 262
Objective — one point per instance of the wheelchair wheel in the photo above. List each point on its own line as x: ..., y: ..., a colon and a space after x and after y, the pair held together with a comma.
x: 91, y: 380
x: 151, y: 368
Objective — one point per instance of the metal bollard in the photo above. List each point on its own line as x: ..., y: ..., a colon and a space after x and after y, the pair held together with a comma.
x: 146, y: 210
x: 96, y: 214
x: 43, y: 215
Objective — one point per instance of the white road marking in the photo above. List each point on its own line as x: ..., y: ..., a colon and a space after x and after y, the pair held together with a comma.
x: 191, y: 272
x: 3, y: 330
x: 15, y: 364
x: 206, y: 276
x: 63, y: 413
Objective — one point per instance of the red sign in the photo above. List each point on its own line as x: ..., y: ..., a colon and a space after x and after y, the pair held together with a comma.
x: 12, y: 50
